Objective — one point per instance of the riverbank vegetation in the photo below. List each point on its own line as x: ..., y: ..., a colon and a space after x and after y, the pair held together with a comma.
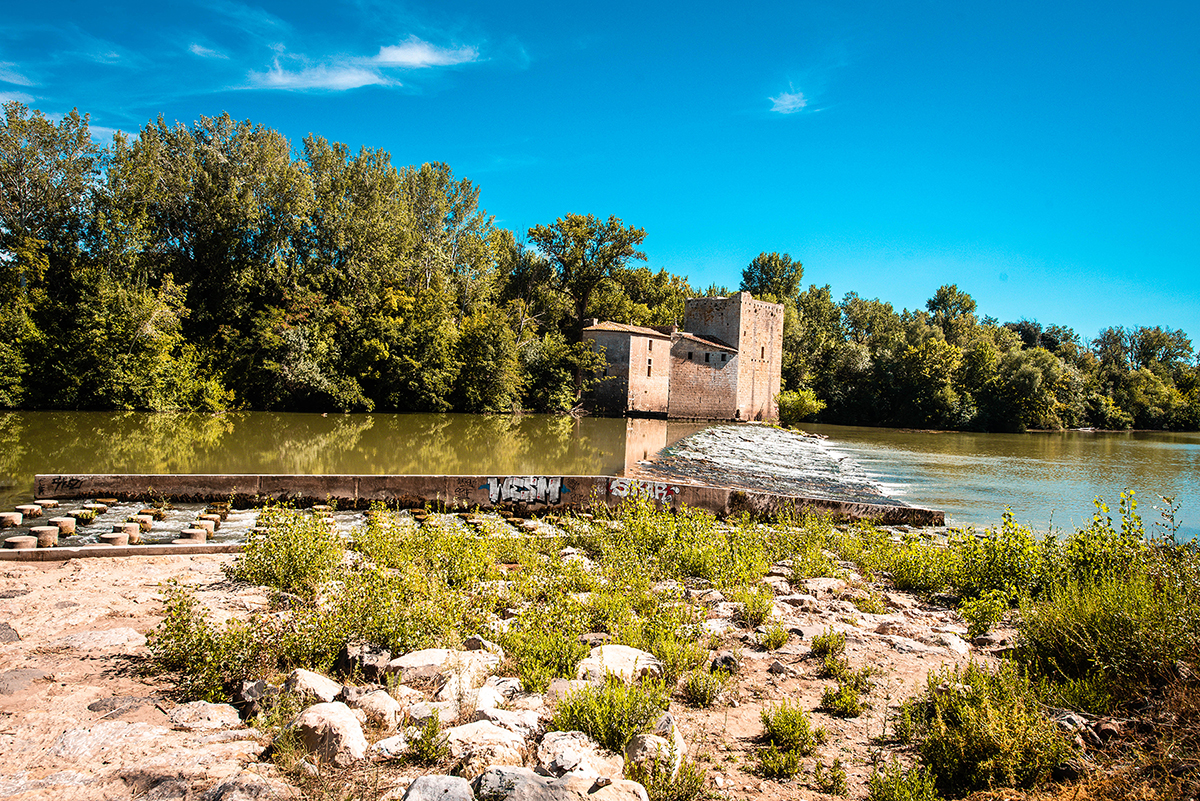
x: 220, y: 266
x: 1106, y: 619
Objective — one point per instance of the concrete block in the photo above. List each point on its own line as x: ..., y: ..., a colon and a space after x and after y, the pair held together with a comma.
x: 47, y: 536
x: 21, y: 543
x: 115, y: 538
x: 66, y: 525
x: 11, y: 519
x: 30, y: 510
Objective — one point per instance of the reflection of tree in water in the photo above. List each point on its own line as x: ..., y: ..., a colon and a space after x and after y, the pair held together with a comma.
x: 296, y: 443
x: 13, y: 447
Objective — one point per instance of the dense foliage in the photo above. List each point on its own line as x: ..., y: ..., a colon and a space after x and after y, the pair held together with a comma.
x: 217, y: 266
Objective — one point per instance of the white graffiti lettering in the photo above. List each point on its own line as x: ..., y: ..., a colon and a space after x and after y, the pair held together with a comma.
x: 525, y: 489
x: 624, y: 487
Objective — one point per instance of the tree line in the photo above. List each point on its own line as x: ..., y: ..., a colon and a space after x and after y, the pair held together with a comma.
x: 215, y: 266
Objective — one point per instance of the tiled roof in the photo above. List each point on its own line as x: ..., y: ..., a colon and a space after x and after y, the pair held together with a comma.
x: 628, y: 329
x: 709, y: 342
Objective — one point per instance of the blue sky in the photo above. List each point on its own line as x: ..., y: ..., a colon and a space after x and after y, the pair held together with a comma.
x: 1043, y: 156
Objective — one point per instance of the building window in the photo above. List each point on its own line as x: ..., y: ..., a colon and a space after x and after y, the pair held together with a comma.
x: 650, y: 344
x: 762, y: 353
x: 724, y: 356
x: 706, y: 357
x: 649, y: 367
x: 689, y: 355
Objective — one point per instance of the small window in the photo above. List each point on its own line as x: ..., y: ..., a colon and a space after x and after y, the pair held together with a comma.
x: 706, y: 357
x: 762, y: 353
x: 650, y: 345
x: 649, y: 368
x: 724, y: 356
x: 689, y: 355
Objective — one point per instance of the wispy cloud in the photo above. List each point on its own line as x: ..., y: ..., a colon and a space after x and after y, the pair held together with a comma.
x: 416, y: 53
x: 19, y: 97
x: 205, y: 52
x: 788, y: 102
x: 335, y: 77
x: 9, y: 75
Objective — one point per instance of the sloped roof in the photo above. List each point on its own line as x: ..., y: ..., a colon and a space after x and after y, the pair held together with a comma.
x: 712, y: 343
x: 628, y: 329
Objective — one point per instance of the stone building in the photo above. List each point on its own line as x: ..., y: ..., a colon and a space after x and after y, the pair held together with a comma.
x: 725, y: 364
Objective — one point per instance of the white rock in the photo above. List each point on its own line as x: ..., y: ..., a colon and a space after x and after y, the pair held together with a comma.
x: 331, y: 733
x: 645, y: 748
x: 480, y: 745
x: 953, y: 642
x: 823, y: 586
x: 620, y: 660
x: 439, y: 788
x: 99, y: 640
x: 801, y: 601
x: 573, y: 752
x: 525, y: 723
x: 203, y: 715
x: 489, y: 698
x: 306, y: 684
x: 420, y: 712
x: 381, y: 709
x: 524, y: 784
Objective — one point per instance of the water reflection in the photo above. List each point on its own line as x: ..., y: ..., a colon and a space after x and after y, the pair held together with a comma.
x: 265, y: 442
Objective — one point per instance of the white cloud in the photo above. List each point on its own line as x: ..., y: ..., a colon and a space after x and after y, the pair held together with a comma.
x: 17, y: 97
x: 417, y: 53
x: 205, y: 52
x: 10, y: 75
x: 788, y: 102
x: 102, y: 133
x: 338, y: 77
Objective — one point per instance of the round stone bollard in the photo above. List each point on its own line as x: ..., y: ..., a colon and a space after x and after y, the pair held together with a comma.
x: 98, y: 508
x: 21, y: 543
x: 47, y: 536
x: 115, y: 538
x: 10, y: 519
x: 30, y: 510
x: 47, y: 503
x: 214, y: 518
x: 65, y: 525
x: 128, y: 529
x: 209, y: 526
x: 146, y: 522
x: 194, y: 535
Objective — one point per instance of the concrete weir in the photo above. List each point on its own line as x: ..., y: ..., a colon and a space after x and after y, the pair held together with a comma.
x: 522, y: 494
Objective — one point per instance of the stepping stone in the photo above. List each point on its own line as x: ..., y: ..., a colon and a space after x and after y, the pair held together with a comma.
x: 65, y: 525
x: 193, y: 535
x: 114, y: 538
x: 145, y: 522
x: 128, y: 529
x: 11, y: 519
x: 47, y: 536
x: 214, y: 519
x: 208, y: 526
x: 23, y: 543
x: 30, y: 510
x: 47, y: 503
x: 98, y: 508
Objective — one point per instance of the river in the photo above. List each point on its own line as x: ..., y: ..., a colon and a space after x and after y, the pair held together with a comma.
x: 1042, y: 476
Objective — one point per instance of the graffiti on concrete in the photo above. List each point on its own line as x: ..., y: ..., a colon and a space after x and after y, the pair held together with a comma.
x: 624, y: 487
x: 66, y: 483
x: 525, y: 489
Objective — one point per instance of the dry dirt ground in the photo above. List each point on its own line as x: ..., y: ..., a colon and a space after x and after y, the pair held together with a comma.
x: 80, y: 719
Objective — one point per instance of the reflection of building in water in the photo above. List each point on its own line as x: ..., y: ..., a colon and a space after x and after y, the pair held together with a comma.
x: 644, y: 437
x: 726, y: 365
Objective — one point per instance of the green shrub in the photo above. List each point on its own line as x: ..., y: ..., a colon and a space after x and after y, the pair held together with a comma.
x: 985, y: 611
x: 796, y: 405
x: 544, y: 643
x: 895, y: 783
x: 977, y: 728
x: 430, y: 746
x: 842, y: 701
x: 832, y: 779
x: 788, y: 727
x: 297, y: 554
x: 612, y: 712
x: 701, y: 688
x: 678, y: 657
x: 774, y: 638
x: 773, y: 763
x: 664, y: 784
x: 829, y: 643
x: 868, y: 602
x: 756, y: 605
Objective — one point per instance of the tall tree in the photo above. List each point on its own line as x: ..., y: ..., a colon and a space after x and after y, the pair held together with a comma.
x: 773, y: 274
x: 585, y: 250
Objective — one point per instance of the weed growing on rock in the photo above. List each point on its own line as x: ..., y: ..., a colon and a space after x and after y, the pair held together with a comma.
x: 829, y: 643
x: 664, y: 784
x: 831, y: 779
x: 755, y: 605
x: 774, y: 638
x: 430, y: 746
x: 296, y: 554
x: 985, y: 611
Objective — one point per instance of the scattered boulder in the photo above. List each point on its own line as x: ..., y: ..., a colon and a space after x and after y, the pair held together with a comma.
x: 522, y: 784
x: 422, y: 711
x: 361, y: 658
x: 250, y: 697
x: 801, y: 601
x: 248, y: 786
x: 381, y: 708
x: 525, y: 723
x: 306, y: 684
x: 481, y: 744
x: 726, y: 661
x: 645, y: 749
x: 439, y: 788
x: 573, y: 752
x: 620, y: 660
x: 203, y: 715
x: 332, y: 733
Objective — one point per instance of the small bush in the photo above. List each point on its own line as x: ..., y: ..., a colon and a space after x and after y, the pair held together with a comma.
x: 868, y: 602
x: 842, y: 701
x: 430, y: 746
x: 796, y: 405
x: 774, y: 638
x: 788, y: 727
x: 656, y: 776
x: 829, y: 643
x: 544, y: 643
x: 832, y: 779
x: 297, y: 554
x: 774, y: 763
x: 678, y: 657
x: 702, y: 688
x: 756, y: 605
x: 978, y: 728
x: 613, y: 712
x: 984, y: 612
x: 895, y: 783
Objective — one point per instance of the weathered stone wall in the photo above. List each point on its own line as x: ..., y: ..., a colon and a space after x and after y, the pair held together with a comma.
x: 649, y: 374
x: 703, y: 387
x: 611, y: 393
x: 760, y: 359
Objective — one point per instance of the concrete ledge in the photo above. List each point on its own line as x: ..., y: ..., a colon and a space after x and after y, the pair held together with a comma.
x: 522, y: 494
x: 109, y: 551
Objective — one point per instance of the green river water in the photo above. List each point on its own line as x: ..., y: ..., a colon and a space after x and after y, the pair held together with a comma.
x: 1042, y: 476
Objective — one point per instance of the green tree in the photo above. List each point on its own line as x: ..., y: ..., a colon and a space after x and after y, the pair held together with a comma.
x: 772, y: 276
